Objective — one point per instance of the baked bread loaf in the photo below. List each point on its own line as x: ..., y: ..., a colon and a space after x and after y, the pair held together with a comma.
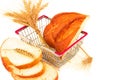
x: 49, y: 74
x: 63, y: 29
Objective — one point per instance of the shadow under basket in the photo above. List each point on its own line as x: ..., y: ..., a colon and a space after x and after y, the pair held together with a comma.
x: 28, y: 35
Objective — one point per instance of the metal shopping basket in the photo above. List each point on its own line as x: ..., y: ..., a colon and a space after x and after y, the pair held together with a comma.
x: 28, y: 35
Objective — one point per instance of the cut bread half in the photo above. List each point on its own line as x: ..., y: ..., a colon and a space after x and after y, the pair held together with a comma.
x: 49, y: 74
x: 63, y: 30
x: 34, y: 71
x: 21, y: 55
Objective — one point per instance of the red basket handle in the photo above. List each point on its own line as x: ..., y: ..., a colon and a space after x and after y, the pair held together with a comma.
x: 43, y: 16
x: 20, y: 29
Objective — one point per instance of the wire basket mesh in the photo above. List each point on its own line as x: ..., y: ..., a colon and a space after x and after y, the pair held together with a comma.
x: 28, y: 35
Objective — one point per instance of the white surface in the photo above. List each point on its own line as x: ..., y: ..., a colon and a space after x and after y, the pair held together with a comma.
x: 102, y: 42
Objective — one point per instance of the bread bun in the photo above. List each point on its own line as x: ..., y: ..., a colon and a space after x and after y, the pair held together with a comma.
x: 63, y: 29
x: 49, y: 74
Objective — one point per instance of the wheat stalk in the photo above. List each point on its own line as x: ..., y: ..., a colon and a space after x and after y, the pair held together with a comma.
x: 87, y: 60
x: 29, y: 16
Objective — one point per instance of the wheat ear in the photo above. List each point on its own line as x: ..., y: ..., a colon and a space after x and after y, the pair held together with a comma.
x: 86, y: 60
x: 29, y: 16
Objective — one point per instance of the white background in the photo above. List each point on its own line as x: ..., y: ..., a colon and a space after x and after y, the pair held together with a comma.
x: 102, y: 42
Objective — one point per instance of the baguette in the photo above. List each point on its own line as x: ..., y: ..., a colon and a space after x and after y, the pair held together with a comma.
x: 63, y: 29
x: 49, y: 74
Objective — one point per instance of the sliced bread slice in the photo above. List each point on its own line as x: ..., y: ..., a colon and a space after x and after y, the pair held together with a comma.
x: 34, y: 71
x: 19, y: 53
x: 50, y: 73
x: 13, y: 57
